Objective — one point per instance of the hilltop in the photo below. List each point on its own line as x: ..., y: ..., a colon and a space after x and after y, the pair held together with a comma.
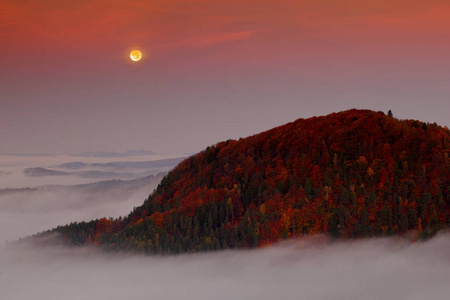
x: 356, y: 173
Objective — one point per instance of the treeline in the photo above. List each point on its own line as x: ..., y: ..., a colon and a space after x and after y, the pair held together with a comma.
x: 356, y: 173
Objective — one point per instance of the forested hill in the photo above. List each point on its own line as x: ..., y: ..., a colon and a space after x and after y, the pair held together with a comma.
x: 356, y: 173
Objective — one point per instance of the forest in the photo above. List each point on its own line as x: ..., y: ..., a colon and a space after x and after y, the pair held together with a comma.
x: 352, y: 174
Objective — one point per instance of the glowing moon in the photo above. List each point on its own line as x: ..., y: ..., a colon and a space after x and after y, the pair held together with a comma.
x: 135, y: 55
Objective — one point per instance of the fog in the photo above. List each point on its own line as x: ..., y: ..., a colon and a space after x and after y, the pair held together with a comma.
x: 309, y: 269
x: 26, y: 211
x: 32, y: 203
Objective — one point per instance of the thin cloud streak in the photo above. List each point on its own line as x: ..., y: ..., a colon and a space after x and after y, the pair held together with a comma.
x: 208, y: 41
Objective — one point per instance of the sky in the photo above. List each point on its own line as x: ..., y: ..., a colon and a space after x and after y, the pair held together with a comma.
x: 211, y: 70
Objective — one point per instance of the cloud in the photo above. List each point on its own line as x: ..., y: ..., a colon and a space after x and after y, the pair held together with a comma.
x: 211, y: 40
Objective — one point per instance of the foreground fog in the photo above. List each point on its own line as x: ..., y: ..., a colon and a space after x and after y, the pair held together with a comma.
x: 313, y: 269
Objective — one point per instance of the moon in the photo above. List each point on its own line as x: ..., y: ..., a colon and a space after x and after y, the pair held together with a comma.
x: 135, y: 55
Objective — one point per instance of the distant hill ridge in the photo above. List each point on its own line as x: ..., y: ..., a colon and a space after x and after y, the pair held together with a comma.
x: 122, y: 169
x: 106, y: 154
x: 356, y: 173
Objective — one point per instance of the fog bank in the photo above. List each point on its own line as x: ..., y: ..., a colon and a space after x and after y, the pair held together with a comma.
x: 26, y: 211
x: 310, y: 269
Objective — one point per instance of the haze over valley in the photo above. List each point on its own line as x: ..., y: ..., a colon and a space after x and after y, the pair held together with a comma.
x: 22, y: 171
x: 41, y: 192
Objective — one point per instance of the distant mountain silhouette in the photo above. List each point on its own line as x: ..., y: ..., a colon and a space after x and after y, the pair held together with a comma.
x: 106, y: 154
x: 123, y: 169
x: 43, y: 172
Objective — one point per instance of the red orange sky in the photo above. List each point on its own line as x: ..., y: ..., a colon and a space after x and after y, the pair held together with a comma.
x: 212, y: 70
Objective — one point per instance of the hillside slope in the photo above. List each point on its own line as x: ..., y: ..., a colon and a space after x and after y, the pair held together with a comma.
x: 356, y: 173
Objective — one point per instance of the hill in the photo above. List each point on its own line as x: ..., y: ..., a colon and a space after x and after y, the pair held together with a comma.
x: 356, y: 173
